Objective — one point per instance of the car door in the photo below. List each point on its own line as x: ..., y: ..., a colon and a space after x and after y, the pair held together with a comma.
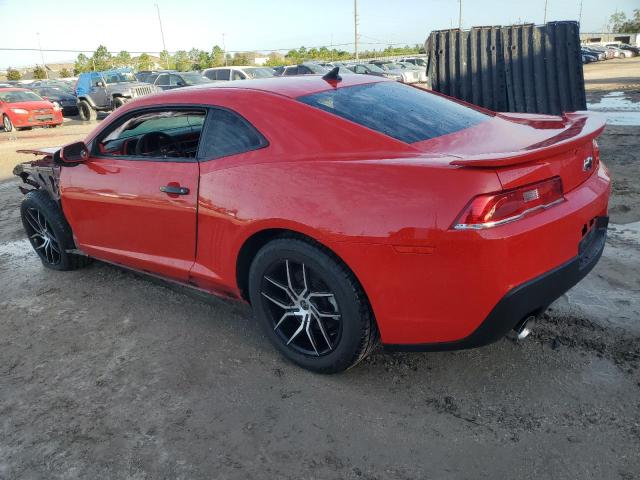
x: 99, y: 88
x: 133, y: 202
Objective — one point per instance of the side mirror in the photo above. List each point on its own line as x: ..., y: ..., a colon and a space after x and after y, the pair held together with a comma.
x: 74, y: 153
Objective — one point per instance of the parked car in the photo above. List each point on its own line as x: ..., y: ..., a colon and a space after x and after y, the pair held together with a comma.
x: 406, y: 75
x: 371, y: 69
x: 57, y: 96
x: 143, y: 75
x: 598, y: 54
x: 237, y: 73
x: 629, y: 49
x: 23, y: 109
x: 171, y: 80
x: 106, y: 91
x: 60, y: 84
x: 421, y: 72
x: 419, y: 62
x: 369, y: 210
x: 301, y: 69
x: 619, y: 52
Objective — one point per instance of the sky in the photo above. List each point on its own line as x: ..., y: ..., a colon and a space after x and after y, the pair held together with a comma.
x: 265, y: 25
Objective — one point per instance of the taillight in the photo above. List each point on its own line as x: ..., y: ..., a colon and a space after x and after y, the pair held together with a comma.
x: 596, y: 154
x: 493, y: 209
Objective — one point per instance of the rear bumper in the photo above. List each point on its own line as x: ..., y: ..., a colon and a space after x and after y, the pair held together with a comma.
x: 530, y: 298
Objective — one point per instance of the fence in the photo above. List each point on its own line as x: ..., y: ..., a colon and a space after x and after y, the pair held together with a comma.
x: 520, y: 68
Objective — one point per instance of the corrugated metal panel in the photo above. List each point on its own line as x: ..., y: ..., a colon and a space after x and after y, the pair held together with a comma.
x: 521, y: 68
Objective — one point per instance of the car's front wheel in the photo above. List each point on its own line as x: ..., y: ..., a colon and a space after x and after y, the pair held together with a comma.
x: 311, y: 306
x: 6, y: 123
x: 49, y: 233
x: 85, y: 111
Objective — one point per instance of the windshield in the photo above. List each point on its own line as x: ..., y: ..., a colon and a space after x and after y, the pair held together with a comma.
x: 405, y: 113
x: 194, y: 78
x: 119, y: 77
x: 262, y: 72
x: 374, y: 68
x: 315, y: 68
x: 50, y: 92
x: 15, y: 96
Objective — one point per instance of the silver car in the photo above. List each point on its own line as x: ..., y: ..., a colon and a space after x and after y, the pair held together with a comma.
x: 406, y: 75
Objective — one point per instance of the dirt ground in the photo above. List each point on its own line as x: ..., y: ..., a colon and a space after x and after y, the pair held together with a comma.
x: 107, y: 374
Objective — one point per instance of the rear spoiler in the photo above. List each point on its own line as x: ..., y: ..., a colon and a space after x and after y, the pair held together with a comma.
x: 581, y: 127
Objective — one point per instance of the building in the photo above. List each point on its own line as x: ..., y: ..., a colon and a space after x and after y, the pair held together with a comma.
x: 630, y: 38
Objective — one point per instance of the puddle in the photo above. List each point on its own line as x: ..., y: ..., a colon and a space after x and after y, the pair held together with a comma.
x: 618, y: 109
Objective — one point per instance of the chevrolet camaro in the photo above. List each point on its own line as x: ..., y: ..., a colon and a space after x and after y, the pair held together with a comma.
x: 347, y: 211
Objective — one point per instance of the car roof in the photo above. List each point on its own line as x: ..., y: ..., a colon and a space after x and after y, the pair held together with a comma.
x: 13, y: 89
x: 294, y: 86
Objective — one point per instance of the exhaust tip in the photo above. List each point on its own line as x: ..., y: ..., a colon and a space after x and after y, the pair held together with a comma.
x: 524, y: 328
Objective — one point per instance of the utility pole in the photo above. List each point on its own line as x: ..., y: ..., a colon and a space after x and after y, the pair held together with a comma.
x: 545, y: 11
x: 460, y: 15
x: 42, y: 56
x: 224, y: 50
x: 580, y: 14
x: 355, y: 26
x: 164, y: 46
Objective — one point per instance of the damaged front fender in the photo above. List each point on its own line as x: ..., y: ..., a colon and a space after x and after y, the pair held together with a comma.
x: 41, y: 174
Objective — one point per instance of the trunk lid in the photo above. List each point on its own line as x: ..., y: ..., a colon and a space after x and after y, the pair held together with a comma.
x: 526, y: 148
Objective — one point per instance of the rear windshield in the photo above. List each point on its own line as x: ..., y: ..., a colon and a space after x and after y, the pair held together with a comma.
x: 399, y: 111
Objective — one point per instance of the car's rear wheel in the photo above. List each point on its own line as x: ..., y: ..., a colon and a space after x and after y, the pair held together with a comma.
x: 311, y: 306
x: 6, y: 123
x: 49, y: 232
x: 85, y: 111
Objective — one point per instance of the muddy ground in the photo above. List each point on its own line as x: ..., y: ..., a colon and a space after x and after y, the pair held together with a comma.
x: 107, y: 374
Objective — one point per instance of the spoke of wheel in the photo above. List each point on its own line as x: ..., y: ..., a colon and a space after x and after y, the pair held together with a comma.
x: 43, y: 226
x: 323, y: 331
x: 321, y: 295
x: 280, y: 286
x: 278, y: 303
x: 54, y: 247
x: 297, y: 332
x: 308, y: 330
x: 32, y: 221
x: 283, y: 318
x: 324, y: 315
x: 286, y: 262
x: 304, y: 281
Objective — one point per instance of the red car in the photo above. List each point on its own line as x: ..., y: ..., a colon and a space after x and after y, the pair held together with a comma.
x: 344, y: 210
x: 21, y: 108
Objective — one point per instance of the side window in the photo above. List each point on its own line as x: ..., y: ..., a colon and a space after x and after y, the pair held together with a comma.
x: 175, y: 80
x: 237, y: 75
x: 360, y: 69
x: 291, y: 71
x: 222, y: 74
x: 163, y: 80
x: 302, y: 70
x: 154, y: 135
x: 227, y: 133
x: 210, y: 74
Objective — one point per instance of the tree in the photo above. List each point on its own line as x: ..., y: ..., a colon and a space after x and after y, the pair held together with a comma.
x: 102, y: 59
x: 217, y: 56
x: 82, y: 64
x: 123, y: 59
x: 182, y: 61
x: 65, y: 73
x: 144, y: 62
x: 39, y: 73
x: 166, y: 60
x: 616, y: 21
x: 13, y: 74
x: 633, y: 24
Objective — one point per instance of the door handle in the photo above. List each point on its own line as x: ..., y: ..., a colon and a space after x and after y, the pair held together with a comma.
x: 173, y: 190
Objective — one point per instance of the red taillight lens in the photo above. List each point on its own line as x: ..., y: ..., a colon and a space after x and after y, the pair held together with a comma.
x: 596, y: 154
x: 493, y: 209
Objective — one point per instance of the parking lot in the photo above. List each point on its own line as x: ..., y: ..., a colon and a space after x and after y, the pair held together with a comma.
x: 108, y: 374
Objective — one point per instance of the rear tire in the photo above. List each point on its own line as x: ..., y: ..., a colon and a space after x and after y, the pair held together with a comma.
x: 86, y: 112
x: 49, y: 233
x: 311, y: 306
x: 6, y: 123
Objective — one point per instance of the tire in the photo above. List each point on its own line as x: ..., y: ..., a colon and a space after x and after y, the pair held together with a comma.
x: 86, y: 111
x: 118, y: 102
x: 49, y: 233
x: 6, y: 123
x: 311, y: 306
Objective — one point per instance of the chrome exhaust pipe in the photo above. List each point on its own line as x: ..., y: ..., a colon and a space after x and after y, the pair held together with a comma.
x: 524, y: 328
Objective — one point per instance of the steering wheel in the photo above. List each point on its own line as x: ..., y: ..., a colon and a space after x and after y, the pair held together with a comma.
x: 157, y: 142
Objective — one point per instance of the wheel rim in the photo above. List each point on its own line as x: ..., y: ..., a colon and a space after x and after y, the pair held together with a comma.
x: 302, y: 309
x: 7, y: 123
x: 42, y: 237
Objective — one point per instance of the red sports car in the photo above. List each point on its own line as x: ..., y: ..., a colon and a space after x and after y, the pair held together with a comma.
x: 21, y: 108
x: 345, y: 210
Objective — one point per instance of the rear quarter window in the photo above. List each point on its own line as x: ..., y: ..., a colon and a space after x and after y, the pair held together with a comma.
x: 405, y: 113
